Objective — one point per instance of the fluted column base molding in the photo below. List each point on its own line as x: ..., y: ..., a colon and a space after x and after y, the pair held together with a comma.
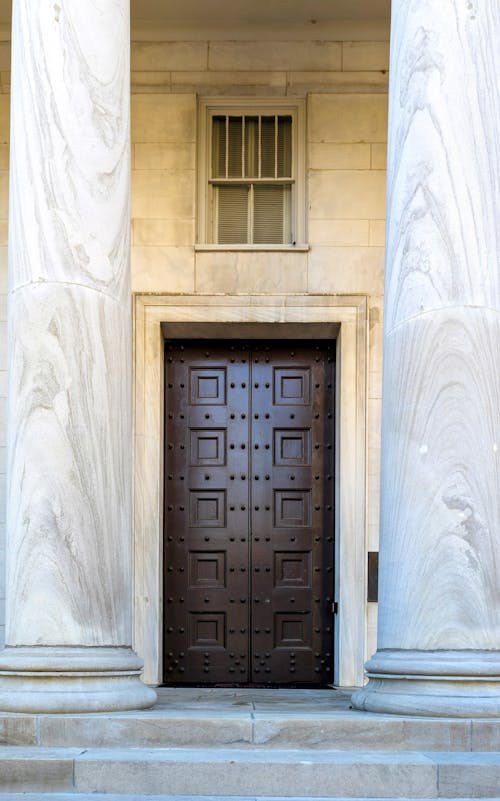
x: 456, y: 684
x: 65, y: 679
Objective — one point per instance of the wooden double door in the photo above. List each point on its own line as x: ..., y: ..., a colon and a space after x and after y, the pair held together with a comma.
x: 249, y: 517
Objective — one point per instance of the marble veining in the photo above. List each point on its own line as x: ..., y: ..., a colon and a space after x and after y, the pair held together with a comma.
x: 69, y: 518
x: 70, y: 162
x: 439, y: 601
x: 443, y: 178
x: 69, y: 495
x: 440, y: 516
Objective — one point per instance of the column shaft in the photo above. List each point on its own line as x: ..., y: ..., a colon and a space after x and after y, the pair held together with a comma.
x: 69, y: 549
x: 439, y: 614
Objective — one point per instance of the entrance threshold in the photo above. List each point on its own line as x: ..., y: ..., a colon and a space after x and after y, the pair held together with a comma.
x: 282, y: 700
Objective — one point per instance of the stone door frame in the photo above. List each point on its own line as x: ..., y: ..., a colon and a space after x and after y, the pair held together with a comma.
x: 350, y: 313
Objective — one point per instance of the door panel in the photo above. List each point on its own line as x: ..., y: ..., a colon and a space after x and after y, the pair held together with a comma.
x: 291, y: 561
x: 248, y: 513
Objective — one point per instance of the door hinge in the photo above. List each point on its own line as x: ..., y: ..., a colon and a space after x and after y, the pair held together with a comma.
x: 335, y: 607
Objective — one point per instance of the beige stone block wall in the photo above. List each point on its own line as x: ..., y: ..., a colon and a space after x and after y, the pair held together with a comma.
x: 163, y: 192
x: 313, y: 55
x: 325, y: 155
x: 250, y: 60
x: 164, y: 56
x: 250, y: 273
x: 345, y: 270
x: 365, y: 56
x: 4, y: 70
x: 348, y: 118
x: 346, y: 194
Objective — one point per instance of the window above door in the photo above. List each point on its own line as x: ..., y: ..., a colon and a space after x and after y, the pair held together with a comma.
x: 251, y: 174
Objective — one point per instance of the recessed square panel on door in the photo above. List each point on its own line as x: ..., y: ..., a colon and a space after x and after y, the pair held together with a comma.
x: 292, y: 386
x: 293, y: 630
x: 292, y: 569
x: 207, y: 508
x: 207, y: 386
x: 292, y: 447
x: 206, y: 630
x: 292, y: 508
x: 207, y: 447
x: 207, y: 570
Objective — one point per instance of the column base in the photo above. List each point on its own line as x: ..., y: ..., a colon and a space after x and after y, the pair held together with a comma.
x: 457, y: 684
x: 64, y: 680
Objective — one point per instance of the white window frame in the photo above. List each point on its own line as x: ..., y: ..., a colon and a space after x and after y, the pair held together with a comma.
x: 211, y: 107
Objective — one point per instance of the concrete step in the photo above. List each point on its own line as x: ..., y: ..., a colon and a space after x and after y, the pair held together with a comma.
x: 251, y: 773
x: 247, y: 728
x: 121, y: 797
x: 252, y: 719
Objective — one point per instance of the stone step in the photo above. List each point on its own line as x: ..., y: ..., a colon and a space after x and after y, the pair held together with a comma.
x: 126, y: 797
x: 246, y: 728
x: 253, y: 719
x: 255, y: 773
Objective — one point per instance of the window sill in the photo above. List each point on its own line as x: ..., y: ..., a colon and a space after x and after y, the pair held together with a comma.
x: 253, y: 248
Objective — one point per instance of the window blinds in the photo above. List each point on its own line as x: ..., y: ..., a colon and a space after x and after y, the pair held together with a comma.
x: 251, y: 178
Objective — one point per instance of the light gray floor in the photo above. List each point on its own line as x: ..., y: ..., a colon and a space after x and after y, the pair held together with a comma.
x: 253, y: 700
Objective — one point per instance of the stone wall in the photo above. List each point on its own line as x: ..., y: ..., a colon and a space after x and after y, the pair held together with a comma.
x: 346, y: 88
x: 343, y: 72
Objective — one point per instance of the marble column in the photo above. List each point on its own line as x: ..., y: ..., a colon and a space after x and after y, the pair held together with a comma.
x: 69, y: 549
x: 439, y: 614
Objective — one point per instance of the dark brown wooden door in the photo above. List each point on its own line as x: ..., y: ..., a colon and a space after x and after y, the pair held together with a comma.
x: 249, y: 520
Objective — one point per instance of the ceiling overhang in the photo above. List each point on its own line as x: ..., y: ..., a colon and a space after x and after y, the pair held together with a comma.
x: 253, y: 12
x: 273, y: 12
